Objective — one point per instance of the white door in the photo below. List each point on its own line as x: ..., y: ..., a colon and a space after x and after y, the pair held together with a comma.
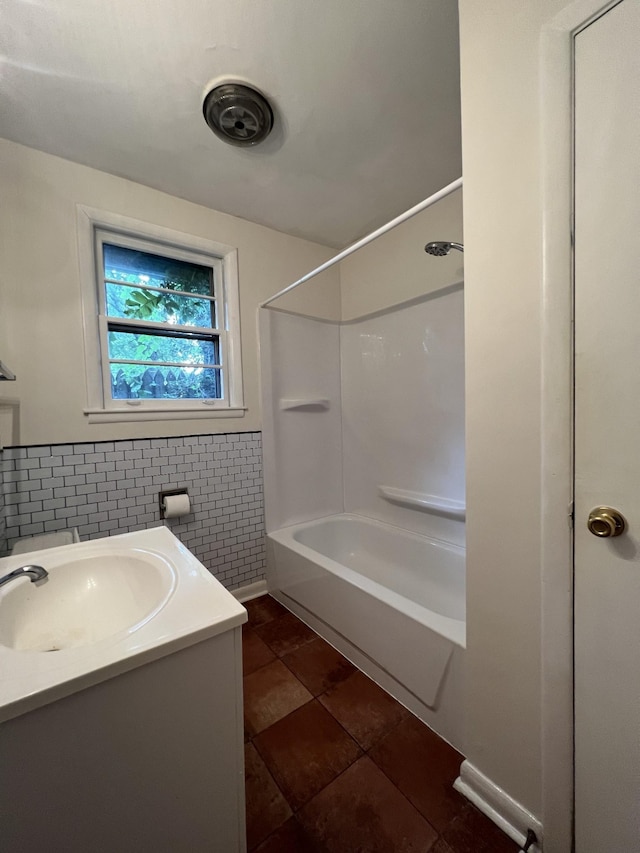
x: 607, y: 431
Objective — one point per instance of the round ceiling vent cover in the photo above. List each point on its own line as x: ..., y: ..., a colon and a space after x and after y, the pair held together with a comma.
x: 238, y: 114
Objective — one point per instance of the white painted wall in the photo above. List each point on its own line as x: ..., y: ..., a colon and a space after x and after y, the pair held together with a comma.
x: 502, y: 107
x: 40, y: 311
x: 403, y: 411
x: 395, y: 267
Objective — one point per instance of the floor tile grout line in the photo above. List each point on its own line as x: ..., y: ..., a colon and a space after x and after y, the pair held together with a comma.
x: 342, y: 772
x: 282, y: 795
x: 295, y: 674
x: 397, y: 787
x: 289, y: 651
x: 319, y: 847
x: 324, y: 692
x: 382, y: 770
x: 275, y: 781
x: 392, y: 729
x: 357, y: 758
x: 266, y: 622
x: 362, y: 751
x: 258, y: 669
x: 365, y: 751
x: 362, y: 754
x: 330, y: 712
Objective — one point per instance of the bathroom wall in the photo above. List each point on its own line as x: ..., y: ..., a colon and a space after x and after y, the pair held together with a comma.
x: 106, y: 488
x: 394, y: 268
x: 403, y: 411
x: 59, y: 471
x: 301, y: 410
x: 41, y: 330
x: 505, y: 335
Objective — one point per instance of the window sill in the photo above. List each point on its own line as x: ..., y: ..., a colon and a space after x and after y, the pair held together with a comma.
x: 113, y: 416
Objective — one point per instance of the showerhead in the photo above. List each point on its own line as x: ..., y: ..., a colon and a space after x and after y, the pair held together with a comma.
x: 439, y: 249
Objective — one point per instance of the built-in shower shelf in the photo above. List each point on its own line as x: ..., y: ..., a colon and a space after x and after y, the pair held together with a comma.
x: 424, y: 502
x: 307, y: 404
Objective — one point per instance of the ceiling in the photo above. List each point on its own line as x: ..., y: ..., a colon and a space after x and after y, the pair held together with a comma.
x: 366, y: 96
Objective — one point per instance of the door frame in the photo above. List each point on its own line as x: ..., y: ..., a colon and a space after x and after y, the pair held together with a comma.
x: 557, y: 420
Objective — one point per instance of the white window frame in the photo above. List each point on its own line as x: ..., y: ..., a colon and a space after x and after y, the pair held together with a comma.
x: 97, y: 226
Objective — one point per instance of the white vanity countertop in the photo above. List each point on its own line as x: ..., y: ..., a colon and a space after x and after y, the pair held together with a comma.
x: 195, y: 607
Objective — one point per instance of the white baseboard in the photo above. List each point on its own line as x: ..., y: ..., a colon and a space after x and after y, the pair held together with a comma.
x: 512, y: 818
x: 252, y: 590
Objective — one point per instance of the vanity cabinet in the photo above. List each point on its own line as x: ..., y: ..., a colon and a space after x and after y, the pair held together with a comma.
x: 132, y: 742
x: 149, y: 761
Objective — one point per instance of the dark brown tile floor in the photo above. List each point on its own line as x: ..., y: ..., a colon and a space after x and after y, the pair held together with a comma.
x: 334, y: 764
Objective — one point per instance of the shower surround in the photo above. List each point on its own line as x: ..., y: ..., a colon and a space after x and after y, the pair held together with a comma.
x: 363, y: 431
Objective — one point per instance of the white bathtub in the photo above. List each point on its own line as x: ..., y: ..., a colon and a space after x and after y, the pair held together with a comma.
x: 395, y: 596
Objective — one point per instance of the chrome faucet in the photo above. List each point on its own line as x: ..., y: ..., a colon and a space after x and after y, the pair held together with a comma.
x: 34, y: 573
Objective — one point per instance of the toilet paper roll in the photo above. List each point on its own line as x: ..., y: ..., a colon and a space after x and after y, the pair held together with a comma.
x: 176, y: 505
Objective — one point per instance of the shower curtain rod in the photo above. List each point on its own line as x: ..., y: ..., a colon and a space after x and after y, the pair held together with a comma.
x: 418, y: 208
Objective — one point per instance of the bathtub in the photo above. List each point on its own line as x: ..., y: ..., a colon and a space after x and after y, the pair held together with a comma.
x: 395, y: 597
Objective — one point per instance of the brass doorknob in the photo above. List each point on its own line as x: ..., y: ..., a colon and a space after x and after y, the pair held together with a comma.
x: 605, y: 521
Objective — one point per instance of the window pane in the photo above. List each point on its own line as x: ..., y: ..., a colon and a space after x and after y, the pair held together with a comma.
x: 189, y: 350
x: 137, y: 382
x: 135, y: 267
x: 139, y: 304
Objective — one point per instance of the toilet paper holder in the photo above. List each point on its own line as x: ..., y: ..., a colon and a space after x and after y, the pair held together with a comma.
x: 169, y: 493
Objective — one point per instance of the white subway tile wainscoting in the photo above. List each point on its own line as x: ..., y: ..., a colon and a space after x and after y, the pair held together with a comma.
x: 111, y: 487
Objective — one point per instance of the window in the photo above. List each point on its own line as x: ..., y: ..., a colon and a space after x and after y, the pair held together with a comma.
x: 166, y: 343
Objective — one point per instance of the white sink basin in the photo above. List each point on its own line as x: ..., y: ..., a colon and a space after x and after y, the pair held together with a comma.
x: 108, y: 606
x: 84, y: 600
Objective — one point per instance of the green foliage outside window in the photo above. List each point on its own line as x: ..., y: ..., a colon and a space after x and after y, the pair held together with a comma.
x: 177, y: 310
